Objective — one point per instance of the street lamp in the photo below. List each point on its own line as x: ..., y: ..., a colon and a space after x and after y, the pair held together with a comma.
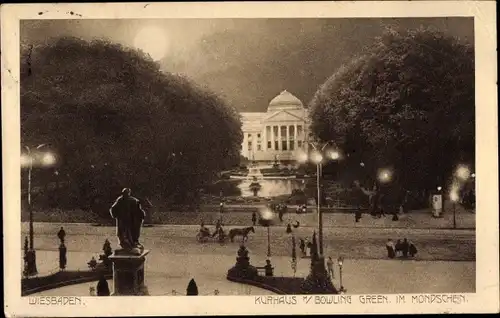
x: 47, y: 159
x: 454, y: 197
x: 266, y: 219
x: 340, y: 260
x: 316, y: 157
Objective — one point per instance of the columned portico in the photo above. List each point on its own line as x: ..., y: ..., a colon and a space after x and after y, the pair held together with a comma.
x: 281, y: 132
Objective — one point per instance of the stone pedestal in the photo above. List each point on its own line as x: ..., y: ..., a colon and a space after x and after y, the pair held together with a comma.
x: 128, y: 274
x: 242, y: 268
x: 318, y: 282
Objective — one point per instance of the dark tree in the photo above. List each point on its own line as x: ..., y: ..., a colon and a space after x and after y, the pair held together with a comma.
x: 114, y: 120
x: 406, y: 103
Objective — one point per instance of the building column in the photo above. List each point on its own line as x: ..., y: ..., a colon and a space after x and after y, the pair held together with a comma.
x: 264, y: 138
x: 279, y: 138
x: 244, y: 146
x: 287, y: 137
x: 295, y: 142
x: 272, y: 137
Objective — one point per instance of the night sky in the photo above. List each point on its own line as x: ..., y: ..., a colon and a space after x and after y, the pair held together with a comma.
x: 248, y: 61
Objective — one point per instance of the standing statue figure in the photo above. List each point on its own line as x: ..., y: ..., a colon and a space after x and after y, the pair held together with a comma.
x: 129, y: 216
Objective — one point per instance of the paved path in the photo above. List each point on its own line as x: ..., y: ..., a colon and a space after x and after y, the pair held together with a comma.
x: 166, y: 273
x: 176, y: 257
x: 357, y: 243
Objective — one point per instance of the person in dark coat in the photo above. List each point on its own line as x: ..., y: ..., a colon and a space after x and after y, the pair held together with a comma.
x: 61, y: 234
x: 398, y: 248
x: 357, y: 215
x: 62, y: 257
x: 405, y: 247
x: 288, y: 229
x: 395, y: 215
x: 413, y: 250
x: 254, y: 218
x: 218, y: 226
x: 391, y: 253
x: 102, y: 287
x: 302, y: 246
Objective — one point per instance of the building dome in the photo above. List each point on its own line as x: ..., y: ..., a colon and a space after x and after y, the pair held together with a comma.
x: 285, y: 100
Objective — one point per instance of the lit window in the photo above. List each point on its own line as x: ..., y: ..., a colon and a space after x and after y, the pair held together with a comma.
x: 292, y: 144
x: 276, y: 145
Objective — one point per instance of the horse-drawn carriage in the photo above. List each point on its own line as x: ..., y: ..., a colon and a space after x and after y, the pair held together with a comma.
x: 204, y: 235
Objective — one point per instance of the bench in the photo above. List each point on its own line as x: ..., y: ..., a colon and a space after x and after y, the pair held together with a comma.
x: 264, y: 270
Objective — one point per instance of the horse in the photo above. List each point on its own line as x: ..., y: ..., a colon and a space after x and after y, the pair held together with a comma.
x: 241, y: 232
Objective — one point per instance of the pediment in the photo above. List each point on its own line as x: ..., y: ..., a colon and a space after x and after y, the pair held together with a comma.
x: 283, y: 115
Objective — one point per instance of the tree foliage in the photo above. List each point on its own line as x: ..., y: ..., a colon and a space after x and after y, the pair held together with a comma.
x: 115, y: 120
x: 407, y: 103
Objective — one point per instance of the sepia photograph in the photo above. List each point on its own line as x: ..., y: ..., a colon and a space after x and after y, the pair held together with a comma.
x: 248, y: 156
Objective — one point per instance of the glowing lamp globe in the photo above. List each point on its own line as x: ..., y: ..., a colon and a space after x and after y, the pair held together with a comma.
x: 334, y: 155
x: 316, y: 157
x: 266, y: 216
x: 462, y: 172
x: 25, y: 160
x: 385, y: 175
x: 454, y: 196
x: 48, y: 159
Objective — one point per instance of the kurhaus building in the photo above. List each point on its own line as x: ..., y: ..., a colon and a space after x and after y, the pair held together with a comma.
x: 278, y: 134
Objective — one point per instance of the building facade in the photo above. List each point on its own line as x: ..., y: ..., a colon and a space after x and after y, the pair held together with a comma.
x: 280, y: 134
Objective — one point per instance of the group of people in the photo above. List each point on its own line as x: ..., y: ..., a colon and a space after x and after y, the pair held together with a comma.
x: 401, y: 248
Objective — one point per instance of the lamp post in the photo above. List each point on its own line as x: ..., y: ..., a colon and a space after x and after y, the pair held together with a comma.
x: 317, y: 158
x: 266, y: 219
x: 340, y: 260
x: 268, y: 241
x: 454, y: 198
x: 28, y: 160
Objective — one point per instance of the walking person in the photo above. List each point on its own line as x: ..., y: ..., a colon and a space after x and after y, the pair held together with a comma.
x: 218, y: 226
x: 329, y: 266
x: 61, y: 235
x: 254, y: 218
x: 412, y: 250
x: 391, y: 253
x: 405, y: 247
x: 302, y: 246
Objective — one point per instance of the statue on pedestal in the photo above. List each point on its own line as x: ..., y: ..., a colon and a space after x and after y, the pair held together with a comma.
x: 129, y: 216
x: 242, y: 268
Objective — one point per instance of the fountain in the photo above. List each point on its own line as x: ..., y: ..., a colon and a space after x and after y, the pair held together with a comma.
x: 255, y: 186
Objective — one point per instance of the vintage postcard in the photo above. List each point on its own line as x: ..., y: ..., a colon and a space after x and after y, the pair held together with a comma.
x: 266, y: 157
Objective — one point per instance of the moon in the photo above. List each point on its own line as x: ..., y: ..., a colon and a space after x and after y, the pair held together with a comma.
x: 153, y: 41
